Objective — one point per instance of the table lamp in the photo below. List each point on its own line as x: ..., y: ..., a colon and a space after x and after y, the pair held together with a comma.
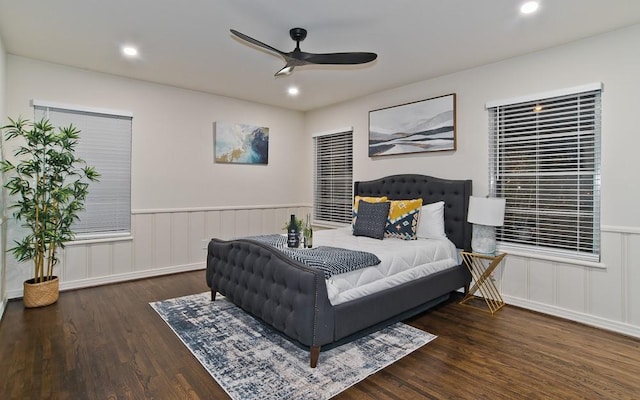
x: 485, y: 213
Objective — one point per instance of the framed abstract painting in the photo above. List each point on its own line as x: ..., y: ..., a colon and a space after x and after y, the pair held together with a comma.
x: 241, y: 144
x: 422, y: 126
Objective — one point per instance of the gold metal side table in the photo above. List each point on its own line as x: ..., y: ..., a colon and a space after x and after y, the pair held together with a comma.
x: 481, y: 267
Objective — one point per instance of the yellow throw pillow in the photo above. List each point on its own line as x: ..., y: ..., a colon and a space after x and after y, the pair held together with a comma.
x: 403, y: 219
x: 368, y: 200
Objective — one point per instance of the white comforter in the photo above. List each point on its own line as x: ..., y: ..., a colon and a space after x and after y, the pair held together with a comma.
x: 401, y: 261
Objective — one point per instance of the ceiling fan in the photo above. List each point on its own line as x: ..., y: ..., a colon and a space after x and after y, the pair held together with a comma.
x: 298, y: 57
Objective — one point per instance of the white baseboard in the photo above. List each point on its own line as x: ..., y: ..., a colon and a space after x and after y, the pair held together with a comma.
x: 129, y: 276
x: 591, y: 320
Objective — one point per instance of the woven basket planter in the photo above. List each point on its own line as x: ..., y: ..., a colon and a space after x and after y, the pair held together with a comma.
x: 40, y: 294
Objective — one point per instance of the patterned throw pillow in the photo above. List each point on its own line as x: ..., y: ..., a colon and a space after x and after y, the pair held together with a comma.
x: 368, y: 200
x: 403, y: 219
x: 372, y: 219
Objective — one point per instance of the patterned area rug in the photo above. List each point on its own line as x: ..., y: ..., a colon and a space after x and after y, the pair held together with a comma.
x: 251, y: 361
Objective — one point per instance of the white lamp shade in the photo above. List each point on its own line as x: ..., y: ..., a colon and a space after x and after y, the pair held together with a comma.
x: 488, y: 211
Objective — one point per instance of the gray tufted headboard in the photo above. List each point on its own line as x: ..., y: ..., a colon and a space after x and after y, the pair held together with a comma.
x: 454, y: 193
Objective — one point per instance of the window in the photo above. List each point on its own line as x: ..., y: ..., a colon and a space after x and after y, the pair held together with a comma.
x: 544, y: 157
x: 333, y: 177
x: 105, y: 143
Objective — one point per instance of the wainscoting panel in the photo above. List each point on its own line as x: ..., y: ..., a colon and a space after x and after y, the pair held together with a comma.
x: 515, y: 277
x: 197, y: 224
x: 100, y: 262
x: 228, y: 224
x: 74, y: 263
x: 632, y: 285
x: 607, y: 292
x: 122, y: 256
x: 213, y: 224
x: 570, y: 288
x: 606, y: 295
x: 242, y: 223
x: 143, y: 228
x: 269, y: 223
x: 541, y: 281
x: 180, y: 230
x: 162, y: 242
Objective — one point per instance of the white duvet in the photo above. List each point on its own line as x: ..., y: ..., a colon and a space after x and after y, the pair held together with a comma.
x: 401, y: 261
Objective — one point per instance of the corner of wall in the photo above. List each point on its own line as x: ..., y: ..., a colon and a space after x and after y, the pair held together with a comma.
x: 3, y: 306
x: 3, y: 116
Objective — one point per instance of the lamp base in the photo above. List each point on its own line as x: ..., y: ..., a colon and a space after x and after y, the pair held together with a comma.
x: 484, y: 239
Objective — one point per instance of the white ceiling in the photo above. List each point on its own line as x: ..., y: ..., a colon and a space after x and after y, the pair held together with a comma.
x: 187, y: 43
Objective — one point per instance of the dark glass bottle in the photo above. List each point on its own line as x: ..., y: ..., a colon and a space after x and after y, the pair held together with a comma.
x: 293, y: 237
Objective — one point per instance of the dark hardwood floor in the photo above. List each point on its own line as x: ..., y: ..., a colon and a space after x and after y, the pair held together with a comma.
x: 107, y: 343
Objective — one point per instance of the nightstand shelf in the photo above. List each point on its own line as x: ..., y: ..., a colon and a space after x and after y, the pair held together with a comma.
x: 481, y: 267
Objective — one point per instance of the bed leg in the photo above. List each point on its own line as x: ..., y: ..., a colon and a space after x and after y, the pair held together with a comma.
x: 315, y: 354
x: 213, y: 295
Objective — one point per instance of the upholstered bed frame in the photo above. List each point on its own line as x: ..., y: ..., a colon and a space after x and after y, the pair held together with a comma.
x: 292, y: 298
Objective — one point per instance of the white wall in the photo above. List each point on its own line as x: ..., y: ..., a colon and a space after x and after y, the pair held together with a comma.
x: 604, y: 297
x: 180, y: 197
x: 172, y: 158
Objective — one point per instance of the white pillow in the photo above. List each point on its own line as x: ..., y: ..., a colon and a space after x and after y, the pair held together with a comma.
x: 431, y: 224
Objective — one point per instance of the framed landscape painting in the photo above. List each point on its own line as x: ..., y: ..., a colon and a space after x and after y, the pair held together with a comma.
x: 421, y: 126
x: 241, y: 144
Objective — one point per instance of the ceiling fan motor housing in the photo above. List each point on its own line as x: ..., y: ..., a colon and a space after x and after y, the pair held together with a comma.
x: 298, y: 34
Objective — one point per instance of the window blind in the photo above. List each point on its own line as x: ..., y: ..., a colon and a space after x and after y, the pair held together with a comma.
x: 333, y: 177
x: 544, y: 157
x: 105, y: 143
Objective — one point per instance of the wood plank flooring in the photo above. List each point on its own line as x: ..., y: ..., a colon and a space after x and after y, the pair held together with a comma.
x: 107, y: 343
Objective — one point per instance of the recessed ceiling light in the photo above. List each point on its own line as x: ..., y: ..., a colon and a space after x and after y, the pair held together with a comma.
x: 293, y: 91
x: 129, y: 51
x: 529, y: 7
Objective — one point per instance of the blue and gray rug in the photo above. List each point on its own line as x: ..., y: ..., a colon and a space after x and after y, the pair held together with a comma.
x: 251, y: 361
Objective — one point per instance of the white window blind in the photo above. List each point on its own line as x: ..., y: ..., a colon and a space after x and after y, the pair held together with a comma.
x: 544, y: 157
x: 333, y: 177
x: 105, y: 143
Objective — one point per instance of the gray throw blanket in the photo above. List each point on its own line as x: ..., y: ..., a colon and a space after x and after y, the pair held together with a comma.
x: 331, y: 260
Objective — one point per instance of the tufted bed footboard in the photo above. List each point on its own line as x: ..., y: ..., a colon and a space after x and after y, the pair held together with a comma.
x: 285, y: 294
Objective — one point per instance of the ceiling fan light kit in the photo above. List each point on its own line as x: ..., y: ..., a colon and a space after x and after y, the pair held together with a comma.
x: 286, y: 70
x: 297, y: 57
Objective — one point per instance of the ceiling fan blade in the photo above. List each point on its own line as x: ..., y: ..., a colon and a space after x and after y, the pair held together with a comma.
x: 338, y: 58
x: 256, y: 42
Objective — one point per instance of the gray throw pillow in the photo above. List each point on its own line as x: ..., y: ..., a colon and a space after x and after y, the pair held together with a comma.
x: 372, y: 218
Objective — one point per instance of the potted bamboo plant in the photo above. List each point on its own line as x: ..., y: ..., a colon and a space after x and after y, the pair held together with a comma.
x: 47, y: 187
